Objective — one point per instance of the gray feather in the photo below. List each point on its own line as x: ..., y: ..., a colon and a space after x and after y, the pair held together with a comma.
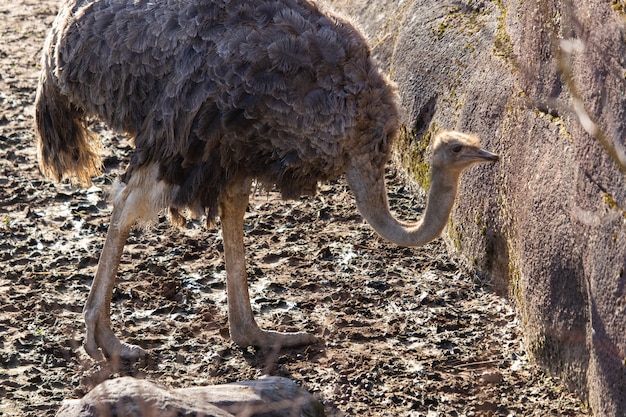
x: 214, y: 90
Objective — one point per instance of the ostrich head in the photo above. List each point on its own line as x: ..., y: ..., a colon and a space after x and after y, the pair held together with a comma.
x: 455, y: 151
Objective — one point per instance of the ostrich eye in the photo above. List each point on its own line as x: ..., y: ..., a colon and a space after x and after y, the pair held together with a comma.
x: 456, y: 148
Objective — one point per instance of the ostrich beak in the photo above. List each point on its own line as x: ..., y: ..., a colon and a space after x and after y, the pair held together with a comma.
x: 482, y: 155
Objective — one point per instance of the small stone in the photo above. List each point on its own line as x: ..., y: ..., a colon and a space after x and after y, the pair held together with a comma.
x: 491, y: 377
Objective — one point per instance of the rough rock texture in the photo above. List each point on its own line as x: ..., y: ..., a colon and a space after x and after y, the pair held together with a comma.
x: 130, y: 397
x: 544, y: 85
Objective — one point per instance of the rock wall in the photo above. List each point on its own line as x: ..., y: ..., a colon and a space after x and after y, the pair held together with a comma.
x: 544, y: 84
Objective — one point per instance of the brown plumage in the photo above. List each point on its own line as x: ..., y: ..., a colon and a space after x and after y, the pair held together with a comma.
x: 216, y: 93
x: 210, y: 91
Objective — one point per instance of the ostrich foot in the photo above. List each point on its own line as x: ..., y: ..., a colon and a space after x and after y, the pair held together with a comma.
x: 101, y: 343
x: 265, y: 339
x: 117, y: 352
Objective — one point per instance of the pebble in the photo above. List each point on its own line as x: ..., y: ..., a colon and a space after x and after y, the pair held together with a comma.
x: 491, y: 377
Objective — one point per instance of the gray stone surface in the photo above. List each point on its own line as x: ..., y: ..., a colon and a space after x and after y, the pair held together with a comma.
x: 131, y: 397
x: 544, y: 85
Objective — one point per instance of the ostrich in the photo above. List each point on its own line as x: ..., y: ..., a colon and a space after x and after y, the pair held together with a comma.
x: 216, y: 94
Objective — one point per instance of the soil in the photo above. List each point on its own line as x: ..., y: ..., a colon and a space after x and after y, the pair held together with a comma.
x: 405, y: 332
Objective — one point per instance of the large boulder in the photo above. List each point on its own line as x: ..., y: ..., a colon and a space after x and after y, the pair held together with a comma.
x: 544, y: 84
x: 130, y: 397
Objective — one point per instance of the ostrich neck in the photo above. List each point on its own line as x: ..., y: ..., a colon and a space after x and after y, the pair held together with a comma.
x: 439, y: 203
x: 375, y: 208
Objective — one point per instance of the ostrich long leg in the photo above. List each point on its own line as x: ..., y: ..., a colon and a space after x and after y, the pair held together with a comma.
x: 100, y: 338
x: 243, y: 328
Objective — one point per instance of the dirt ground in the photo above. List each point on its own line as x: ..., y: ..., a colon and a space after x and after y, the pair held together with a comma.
x: 406, y: 332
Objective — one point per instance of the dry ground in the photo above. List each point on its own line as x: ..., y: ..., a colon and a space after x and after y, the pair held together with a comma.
x: 406, y: 332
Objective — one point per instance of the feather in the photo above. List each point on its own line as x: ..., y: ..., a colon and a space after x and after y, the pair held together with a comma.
x: 137, y: 40
x: 328, y: 46
x: 289, y: 53
x: 215, y: 90
x: 101, y: 22
x: 252, y: 50
x: 265, y: 12
x: 291, y: 21
x: 278, y: 106
x: 261, y: 79
x: 234, y: 41
x: 193, y: 95
x: 209, y: 11
x: 188, y: 61
x: 187, y: 20
x: 316, y: 101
